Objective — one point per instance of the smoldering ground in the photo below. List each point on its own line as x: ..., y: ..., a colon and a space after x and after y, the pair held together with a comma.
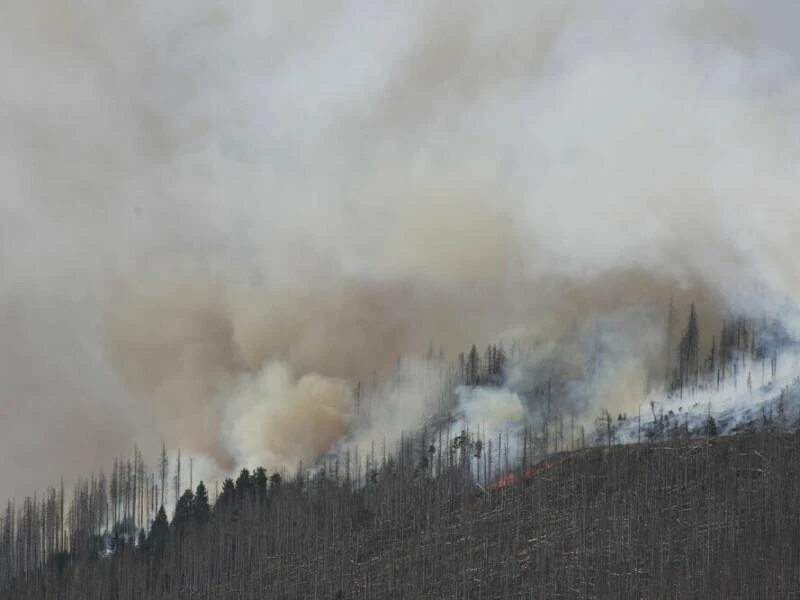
x: 203, y: 204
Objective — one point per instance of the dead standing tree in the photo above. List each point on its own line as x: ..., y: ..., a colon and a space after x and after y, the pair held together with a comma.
x: 688, y: 353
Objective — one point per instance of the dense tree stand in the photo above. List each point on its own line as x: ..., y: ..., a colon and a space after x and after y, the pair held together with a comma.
x: 701, y: 518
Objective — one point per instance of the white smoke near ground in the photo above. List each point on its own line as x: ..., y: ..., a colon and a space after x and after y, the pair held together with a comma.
x: 488, y: 414
x: 752, y: 398
x: 418, y: 394
x: 215, y: 220
x: 273, y: 418
x: 491, y: 409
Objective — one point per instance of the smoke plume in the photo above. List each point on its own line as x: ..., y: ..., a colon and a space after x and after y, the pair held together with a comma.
x: 215, y: 221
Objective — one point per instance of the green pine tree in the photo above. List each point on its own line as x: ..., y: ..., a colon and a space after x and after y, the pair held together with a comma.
x: 158, y: 533
x: 243, y: 484
x: 260, y: 483
x: 200, y: 508
x: 227, y: 495
x: 183, y: 511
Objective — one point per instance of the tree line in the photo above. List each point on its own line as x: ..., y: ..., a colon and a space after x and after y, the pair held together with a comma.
x: 116, y: 532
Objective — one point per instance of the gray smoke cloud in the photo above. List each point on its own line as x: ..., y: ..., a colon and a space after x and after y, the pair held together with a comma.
x: 216, y: 219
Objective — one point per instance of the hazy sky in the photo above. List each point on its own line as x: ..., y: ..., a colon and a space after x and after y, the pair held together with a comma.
x: 210, y: 211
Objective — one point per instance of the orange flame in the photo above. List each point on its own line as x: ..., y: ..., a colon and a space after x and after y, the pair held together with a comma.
x: 527, y: 475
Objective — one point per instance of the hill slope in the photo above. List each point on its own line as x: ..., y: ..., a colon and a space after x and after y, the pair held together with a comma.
x: 715, y: 518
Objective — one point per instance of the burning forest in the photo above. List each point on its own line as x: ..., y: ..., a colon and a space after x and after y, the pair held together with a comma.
x: 353, y: 300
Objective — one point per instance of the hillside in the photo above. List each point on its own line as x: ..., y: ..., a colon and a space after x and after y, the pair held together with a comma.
x: 707, y: 518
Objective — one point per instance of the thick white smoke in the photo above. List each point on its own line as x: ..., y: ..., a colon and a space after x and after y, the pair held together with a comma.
x: 217, y: 218
x: 491, y: 411
x: 273, y: 418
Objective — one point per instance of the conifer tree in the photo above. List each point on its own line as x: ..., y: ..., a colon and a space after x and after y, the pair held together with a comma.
x: 688, y: 363
x: 243, y: 484
x: 260, y: 483
x: 228, y: 494
x: 472, y: 366
x: 200, y: 508
x: 158, y: 533
x: 183, y: 511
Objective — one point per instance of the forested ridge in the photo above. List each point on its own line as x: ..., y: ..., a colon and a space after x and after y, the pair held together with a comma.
x: 713, y: 518
x: 552, y: 510
x: 365, y: 300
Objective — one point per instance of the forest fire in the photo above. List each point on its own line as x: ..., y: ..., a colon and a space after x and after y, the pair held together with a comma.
x: 527, y: 473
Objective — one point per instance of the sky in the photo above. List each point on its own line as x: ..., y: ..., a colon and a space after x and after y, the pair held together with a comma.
x: 216, y: 219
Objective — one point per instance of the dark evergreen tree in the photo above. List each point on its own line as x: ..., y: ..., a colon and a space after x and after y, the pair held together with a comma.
x: 158, y: 533
x: 228, y: 494
x: 275, y: 481
x: 183, y: 511
x: 260, y: 483
x: 688, y: 352
x: 499, y: 365
x: 243, y: 484
x: 200, y: 508
x: 473, y: 366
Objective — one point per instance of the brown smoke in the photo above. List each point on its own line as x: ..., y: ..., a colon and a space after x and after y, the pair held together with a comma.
x: 211, y: 243
x: 192, y: 349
